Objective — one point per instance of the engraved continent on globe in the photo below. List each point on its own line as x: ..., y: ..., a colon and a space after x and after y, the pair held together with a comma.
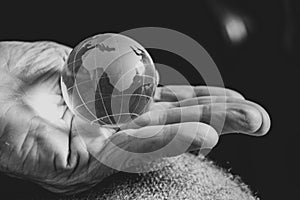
x: 108, y: 79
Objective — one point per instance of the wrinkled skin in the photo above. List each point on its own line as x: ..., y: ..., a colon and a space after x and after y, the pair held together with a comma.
x: 42, y: 141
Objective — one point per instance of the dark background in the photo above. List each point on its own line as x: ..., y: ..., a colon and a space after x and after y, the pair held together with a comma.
x: 264, y: 68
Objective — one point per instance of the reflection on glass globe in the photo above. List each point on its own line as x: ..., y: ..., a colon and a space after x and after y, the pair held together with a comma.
x: 108, y: 79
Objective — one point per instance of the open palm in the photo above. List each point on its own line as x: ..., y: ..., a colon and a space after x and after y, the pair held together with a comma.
x: 41, y: 140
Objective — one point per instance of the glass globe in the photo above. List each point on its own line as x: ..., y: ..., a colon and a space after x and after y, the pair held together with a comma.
x: 108, y: 79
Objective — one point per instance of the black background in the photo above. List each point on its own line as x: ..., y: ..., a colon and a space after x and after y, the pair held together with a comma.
x: 264, y: 69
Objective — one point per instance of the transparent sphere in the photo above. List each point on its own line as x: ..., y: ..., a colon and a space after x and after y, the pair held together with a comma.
x: 108, y: 79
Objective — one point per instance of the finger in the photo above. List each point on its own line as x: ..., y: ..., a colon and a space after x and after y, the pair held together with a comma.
x: 154, y: 142
x: 266, y: 122
x: 205, y: 100
x: 194, y: 101
x: 225, y: 118
x: 193, y: 135
x: 180, y: 92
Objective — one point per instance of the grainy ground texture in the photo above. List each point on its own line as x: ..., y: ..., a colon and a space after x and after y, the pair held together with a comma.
x: 185, y: 177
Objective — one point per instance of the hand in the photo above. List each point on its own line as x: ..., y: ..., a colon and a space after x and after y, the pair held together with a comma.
x: 41, y: 140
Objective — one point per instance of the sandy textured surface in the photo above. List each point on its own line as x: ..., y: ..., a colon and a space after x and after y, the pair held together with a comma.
x: 186, y: 177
